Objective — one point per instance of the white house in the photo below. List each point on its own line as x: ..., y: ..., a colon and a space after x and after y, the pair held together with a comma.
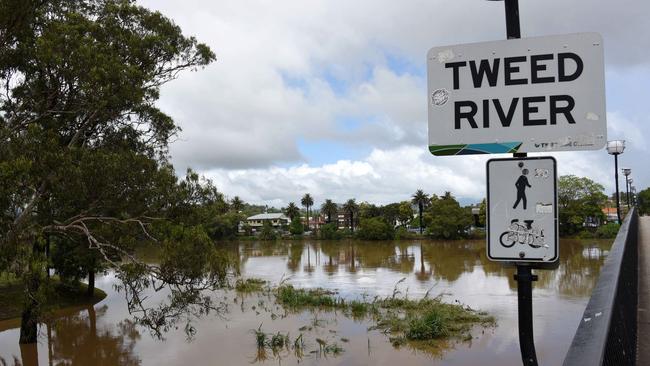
x: 276, y: 219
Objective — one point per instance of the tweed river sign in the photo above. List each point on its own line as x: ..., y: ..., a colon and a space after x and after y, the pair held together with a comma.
x: 521, y: 95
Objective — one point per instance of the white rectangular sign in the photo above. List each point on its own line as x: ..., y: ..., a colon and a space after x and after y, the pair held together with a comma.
x: 520, y: 95
x: 522, y: 215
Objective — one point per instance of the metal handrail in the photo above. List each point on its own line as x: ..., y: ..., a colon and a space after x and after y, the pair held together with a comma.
x: 607, y: 331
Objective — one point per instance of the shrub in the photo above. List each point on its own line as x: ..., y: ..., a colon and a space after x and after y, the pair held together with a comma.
x: 330, y: 232
x: 608, y: 231
x: 375, y: 229
x: 268, y: 233
x: 296, y: 228
x: 403, y: 233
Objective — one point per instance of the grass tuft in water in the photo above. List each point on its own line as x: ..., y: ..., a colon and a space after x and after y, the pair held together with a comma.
x: 291, y: 297
x: 250, y: 285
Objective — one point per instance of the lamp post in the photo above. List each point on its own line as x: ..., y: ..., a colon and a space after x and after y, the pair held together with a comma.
x: 630, y: 195
x: 476, y: 211
x: 616, y: 147
x: 626, y: 173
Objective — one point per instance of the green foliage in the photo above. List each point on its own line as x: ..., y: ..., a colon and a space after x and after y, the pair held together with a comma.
x: 421, y: 199
x: 445, y: 218
x: 291, y: 297
x: 405, y: 212
x: 351, y: 208
x: 268, y: 232
x: 375, y: 228
x: 330, y: 232
x: 608, y: 231
x: 643, y: 198
x: 296, y: 227
x: 72, y: 261
x: 330, y: 209
x: 369, y: 210
x: 292, y: 211
x: 578, y: 198
x: 401, y: 233
x: 482, y: 213
x: 250, y: 285
x: 224, y: 226
x: 431, y: 325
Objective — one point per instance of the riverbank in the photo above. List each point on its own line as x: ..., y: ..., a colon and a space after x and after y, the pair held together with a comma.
x: 60, y: 296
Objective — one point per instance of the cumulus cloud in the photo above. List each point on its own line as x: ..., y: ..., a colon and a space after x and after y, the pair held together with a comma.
x: 290, y: 71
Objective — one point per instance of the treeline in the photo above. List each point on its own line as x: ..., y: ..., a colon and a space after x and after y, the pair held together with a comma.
x: 580, y: 202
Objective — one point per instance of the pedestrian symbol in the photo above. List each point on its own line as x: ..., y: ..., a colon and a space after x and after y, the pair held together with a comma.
x: 521, y: 185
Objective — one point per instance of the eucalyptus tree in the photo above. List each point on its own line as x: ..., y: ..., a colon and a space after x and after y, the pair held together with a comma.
x: 329, y: 208
x: 307, y: 201
x: 351, y: 208
x: 420, y: 198
x: 84, y: 153
x: 292, y: 211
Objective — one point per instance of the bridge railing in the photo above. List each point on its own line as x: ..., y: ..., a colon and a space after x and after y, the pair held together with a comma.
x: 607, y: 331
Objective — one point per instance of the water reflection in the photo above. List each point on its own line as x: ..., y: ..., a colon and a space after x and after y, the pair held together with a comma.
x: 75, y: 339
x: 580, y: 261
x: 97, y: 337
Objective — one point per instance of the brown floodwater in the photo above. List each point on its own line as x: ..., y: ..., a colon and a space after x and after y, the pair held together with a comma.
x: 458, y: 270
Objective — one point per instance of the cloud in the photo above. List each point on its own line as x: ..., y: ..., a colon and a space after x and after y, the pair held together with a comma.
x: 353, y: 73
x: 382, y: 177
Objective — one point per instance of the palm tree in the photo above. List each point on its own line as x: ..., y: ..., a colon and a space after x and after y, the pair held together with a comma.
x: 307, y: 202
x: 329, y: 208
x: 351, y: 207
x: 420, y: 198
x: 236, y: 204
x: 292, y: 210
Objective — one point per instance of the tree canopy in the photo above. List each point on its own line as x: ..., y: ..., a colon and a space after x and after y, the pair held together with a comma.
x: 578, y: 198
x: 84, y: 150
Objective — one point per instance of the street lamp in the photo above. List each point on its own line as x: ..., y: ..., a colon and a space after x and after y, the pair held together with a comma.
x: 616, y: 147
x: 626, y: 173
x: 476, y: 211
x: 631, y: 192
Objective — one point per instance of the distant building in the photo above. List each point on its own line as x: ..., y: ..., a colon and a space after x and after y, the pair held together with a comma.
x: 315, y: 222
x: 277, y: 220
x: 610, y: 214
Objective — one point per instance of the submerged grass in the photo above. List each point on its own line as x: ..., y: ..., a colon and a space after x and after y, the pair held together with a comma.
x: 422, y: 322
x: 294, y: 298
x: 250, y: 285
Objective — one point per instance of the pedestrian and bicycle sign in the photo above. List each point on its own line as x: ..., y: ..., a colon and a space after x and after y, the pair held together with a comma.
x: 520, y: 95
x: 522, y: 215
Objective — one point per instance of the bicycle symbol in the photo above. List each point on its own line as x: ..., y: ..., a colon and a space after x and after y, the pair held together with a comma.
x: 522, y: 234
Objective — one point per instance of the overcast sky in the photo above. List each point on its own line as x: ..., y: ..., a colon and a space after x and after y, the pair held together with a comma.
x: 329, y: 97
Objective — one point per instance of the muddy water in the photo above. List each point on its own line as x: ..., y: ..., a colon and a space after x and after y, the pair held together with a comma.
x: 104, y: 335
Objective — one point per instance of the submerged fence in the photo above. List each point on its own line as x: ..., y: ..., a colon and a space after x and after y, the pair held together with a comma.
x: 607, y: 331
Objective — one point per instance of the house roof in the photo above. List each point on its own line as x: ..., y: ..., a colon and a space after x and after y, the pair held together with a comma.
x: 268, y: 216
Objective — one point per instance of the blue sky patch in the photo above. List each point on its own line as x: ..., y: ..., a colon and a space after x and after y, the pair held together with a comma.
x: 322, y: 152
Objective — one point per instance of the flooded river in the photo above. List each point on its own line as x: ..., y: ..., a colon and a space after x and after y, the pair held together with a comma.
x: 458, y: 271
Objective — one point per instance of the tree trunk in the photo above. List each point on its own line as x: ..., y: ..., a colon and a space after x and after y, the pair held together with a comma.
x: 30, y: 314
x: 91, y: 282
x: 351, y: 221
x: 29, y: 318
x: 420, y: 209
x: 47, y: 255
x: 29, y: 354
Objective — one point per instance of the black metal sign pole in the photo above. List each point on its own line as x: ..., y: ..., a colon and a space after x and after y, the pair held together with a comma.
x: 524, y: 276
